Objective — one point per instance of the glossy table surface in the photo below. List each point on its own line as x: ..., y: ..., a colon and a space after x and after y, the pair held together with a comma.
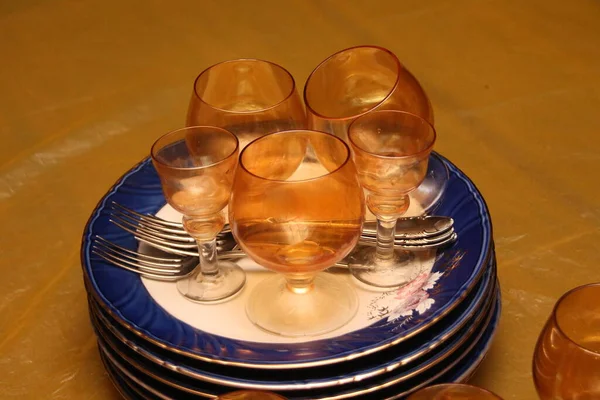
x: 86, y: 87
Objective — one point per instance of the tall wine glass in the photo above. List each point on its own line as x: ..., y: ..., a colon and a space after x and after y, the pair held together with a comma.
x: 247, y: 97
x: 196, y: 168
x: 566, y: 361
x: 297, y: 209
x: 391, y: 150
x: 355, y: 81
x: 453, y: 391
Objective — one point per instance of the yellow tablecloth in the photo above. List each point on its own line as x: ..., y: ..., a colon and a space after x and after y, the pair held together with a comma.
x: 86, y: 86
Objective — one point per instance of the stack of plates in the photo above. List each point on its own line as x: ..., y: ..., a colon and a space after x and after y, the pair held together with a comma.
x: 157, y: 345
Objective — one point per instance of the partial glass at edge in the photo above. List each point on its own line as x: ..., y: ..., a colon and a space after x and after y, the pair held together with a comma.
x: 391, y: 151
x: 357, y: 80
x: 566, y: 361
x: 196, y: 167
x: 250, y: 395
x: 248, y: 97
x: 297, y: 209
x: 453, y: 391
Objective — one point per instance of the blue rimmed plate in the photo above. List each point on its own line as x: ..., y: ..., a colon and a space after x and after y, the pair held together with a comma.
x: 124, y: 296
x: 399, y: 356
x: 463, y: 359
x: 181, y: 384
x: 125, y: 389
x: 467, y: 369
x: 458, y: 370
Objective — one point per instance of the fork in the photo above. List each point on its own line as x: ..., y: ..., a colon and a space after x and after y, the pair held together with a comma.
x: 170, y: 236
x: 158, y: 268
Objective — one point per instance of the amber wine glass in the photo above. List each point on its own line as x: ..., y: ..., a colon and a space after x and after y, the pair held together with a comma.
x: 196, y: 168
x: 453, y: 391
x: 247, y: 97
x: 566, y: 361
x: 355, y: 81
x: 250, y: 395
x: 391, y: 150
x: 297, y: 209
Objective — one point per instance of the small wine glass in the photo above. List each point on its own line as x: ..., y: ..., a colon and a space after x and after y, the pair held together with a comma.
x: 250, y: 395
x: 357, y: 80
x: 196, y: 168
x: 297, y: 208
x: 453, y: 391
x: 247, y: 97
x: 391, y: 150
x: 566, y: 361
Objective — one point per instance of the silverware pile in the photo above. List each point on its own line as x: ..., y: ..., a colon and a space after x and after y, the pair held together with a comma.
x: 178, y: 253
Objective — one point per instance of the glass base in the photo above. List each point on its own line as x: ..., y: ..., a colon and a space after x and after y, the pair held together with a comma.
x: 204, y: 289
x: 396, y: 272
x: 327, y: 304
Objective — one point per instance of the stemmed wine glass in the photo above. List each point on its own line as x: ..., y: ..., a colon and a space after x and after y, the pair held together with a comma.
x: 250, y: 395
x: 361, y: 79
x: 196, y: 168
x: 453, y: 391
x: 247, y: 97
x: 391, y: 150
x: 357, y: 80
x: 297, y: 209
x: 566, y: 361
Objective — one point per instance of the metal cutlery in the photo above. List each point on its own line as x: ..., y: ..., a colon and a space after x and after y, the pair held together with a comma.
x: 414, y: 234
x: 158, y: 268
x: 164, y: 268
x: 406, y: 228
x: 179, y: 255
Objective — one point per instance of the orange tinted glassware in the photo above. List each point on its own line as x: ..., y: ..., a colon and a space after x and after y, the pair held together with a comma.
x: 247, y: 97
x: 391, y: 151
x: 196, y: 168
x: 296, y: 209
x: 566, y: 362
x: 355, y: 81
x: 250, y: 395
x: 453, y: 391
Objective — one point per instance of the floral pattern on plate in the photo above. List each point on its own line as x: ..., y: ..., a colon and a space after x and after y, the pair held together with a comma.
x: 411, y: 299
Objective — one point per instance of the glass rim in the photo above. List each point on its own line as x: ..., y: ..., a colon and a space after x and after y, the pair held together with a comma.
x: 426, y: 150
x: 342, y: 165
x: 154, y: 149
x: 272, y: 396
x: 326, y: 60
x: 258, y: 60
x: 555, y: 319
x: 463, y: 385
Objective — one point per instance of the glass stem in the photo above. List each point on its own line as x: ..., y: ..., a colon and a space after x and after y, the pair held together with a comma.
x: 209, y: 264
x: 299, y: 285
x: 386, y: 229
